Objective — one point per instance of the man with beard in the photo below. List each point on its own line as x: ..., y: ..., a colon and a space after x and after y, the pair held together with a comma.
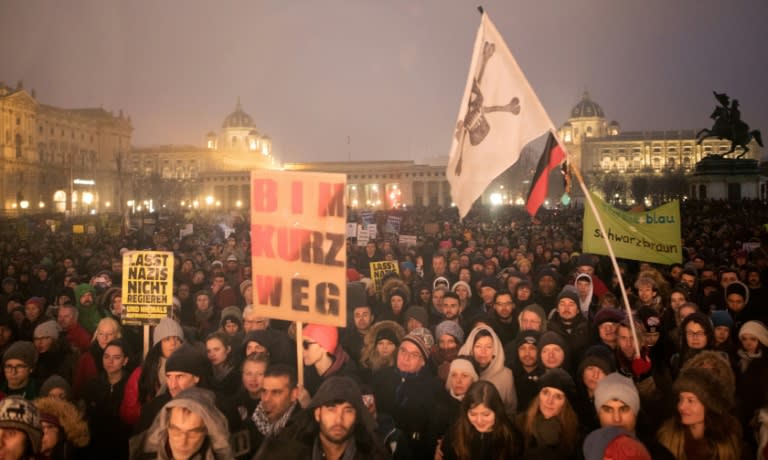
x: 336, y: 425
x: 503, y: 317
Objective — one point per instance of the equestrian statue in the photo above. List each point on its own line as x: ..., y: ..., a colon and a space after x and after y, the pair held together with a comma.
x: 728, y: 125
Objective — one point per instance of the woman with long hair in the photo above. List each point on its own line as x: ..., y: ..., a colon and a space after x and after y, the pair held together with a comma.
x: 89, y: 364
x: 148, y: 380
x: 702, y: 427
x: 225, y: 378
x: 487, y: 351
x: 550, y: 425
x: 103, y: 397
x: 483, y: 430
x: 380, y: 347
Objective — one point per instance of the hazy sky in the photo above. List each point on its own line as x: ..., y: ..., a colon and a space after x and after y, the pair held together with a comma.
x: 385, y: 74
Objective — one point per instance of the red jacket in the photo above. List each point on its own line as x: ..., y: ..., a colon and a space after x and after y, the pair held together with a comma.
x: 78, y: 337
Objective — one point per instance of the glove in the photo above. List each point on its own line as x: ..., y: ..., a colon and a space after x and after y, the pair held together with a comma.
x: 641, y: 366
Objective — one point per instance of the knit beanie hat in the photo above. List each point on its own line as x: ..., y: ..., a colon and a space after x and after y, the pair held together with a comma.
x: 190, y: 359
x: 616, y: 386
x: 598, y: 356
x: 56, y: 381
x: 422, y: 338
x: 451, y: 328
x: 441, y: 281
x: 529, y: 337
x: 569, y: 292
x: 552, y: 337
x: 22, y: 350
x: 462, y: 283
x: 38, y: 301
x: 707, y: 387
x: 615, y: 443
x: 47, y: 329
x: 721, y: 318
x: 326, y: 336
x: 558, y: 379
x: 245, y: 285
x: 387, y: 334
x: 462, y: 364
x: 418, y: 313
x: 167, y: 328
x: 608, y: 315
x: 757, y: 329
x: 19, y: 414
x: 356, y: 296
x: 491, y: 282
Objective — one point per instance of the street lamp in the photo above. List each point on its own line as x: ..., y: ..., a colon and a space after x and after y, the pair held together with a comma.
x: 24, y: 204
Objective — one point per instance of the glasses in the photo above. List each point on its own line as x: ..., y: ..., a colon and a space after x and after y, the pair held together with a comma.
x: 409, y: 354
x: 697, y: 334
x: 15, y: 368
x: 306, y: 344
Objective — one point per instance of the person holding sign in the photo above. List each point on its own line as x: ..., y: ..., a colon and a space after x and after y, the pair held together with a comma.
x: 324, y: 357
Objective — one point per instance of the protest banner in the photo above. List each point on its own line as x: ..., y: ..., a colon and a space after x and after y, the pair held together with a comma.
x: 379, y: 269
x: 298, y: 252
x: 407, y: 240
x: 362, y: 236
x: 147, y: 286
x: 373, y: 231
x: 394, y: 223
x: 649, y: 236
x: 351, y: 230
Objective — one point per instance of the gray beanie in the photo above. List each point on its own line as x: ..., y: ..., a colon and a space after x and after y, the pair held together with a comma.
x: 167, y: 328
x: 22, y: 350
x: 56, y: 381
x: 451, y: 328
x: 47, y: 329
x: 616, y: 386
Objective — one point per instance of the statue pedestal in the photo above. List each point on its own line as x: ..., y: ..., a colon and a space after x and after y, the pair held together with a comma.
x: 732, y: 179
x: 719, y: 166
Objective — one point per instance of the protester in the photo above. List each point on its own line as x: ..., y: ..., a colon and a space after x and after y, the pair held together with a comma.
x: 20, y: 429
x: 65, y: 433
x: 487, y: 351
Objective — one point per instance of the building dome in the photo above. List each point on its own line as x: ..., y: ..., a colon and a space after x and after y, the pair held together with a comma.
x: 238, y: 119
x: 587, y: 108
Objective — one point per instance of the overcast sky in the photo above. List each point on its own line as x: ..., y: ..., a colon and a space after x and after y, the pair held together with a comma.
x: 379, y: 79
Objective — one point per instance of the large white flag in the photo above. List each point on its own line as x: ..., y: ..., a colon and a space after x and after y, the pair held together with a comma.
x: 499, y: 115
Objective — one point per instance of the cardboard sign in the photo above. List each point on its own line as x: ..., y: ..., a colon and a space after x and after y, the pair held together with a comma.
x: 379, y: 269
x: 147, y: 286
x: 351, y: 230
x: 298, y: 246
x: 372, y: 231
x: 362, y: 236
x: 408, y: 240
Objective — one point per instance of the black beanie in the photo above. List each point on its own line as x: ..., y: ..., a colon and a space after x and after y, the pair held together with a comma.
x: 387, y: 334
x: 188, y: 358
x: 561, y: 380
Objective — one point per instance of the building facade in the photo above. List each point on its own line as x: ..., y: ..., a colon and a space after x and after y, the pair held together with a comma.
x: 60, y: 160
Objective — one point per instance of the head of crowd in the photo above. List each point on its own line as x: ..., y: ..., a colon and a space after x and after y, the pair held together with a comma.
x: 494, y: 337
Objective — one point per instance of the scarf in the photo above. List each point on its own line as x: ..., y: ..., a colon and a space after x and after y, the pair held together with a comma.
x: 221, y: 371
x: 267, y: 428
x: 202, y: 317
x: 745, y: 358
x: 546, y: 431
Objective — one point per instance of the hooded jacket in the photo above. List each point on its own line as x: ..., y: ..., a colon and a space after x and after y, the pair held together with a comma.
x: 152, y: 443
x: 88, y: 317
x: 496, y: 373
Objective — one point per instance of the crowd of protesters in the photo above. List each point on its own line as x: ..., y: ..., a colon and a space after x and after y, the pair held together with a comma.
x: 497, y: 339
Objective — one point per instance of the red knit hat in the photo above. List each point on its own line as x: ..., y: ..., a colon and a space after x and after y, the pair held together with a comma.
x: 626, y: 448
x: 326, y: 336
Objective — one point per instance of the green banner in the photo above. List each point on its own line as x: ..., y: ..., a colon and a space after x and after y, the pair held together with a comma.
x: 648, y: 236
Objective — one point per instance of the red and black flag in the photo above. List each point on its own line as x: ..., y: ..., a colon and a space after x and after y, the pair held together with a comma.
x: 550, y: 160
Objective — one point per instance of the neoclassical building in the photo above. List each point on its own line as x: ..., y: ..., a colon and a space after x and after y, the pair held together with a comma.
x: 597, y: 145
x: 218, y: 175
x: 62, y: 160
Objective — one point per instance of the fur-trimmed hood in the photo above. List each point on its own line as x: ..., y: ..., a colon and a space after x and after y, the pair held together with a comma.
x: 370, y: 337
x: 70, y: 419
x: 395, y: 284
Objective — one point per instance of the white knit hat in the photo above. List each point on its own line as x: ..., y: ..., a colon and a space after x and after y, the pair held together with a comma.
x: 757, y: 329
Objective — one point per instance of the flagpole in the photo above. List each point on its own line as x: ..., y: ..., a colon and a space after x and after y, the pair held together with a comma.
x: 611, y: 254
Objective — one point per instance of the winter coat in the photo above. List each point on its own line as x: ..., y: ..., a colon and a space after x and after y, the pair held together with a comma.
x: 496, y: 373
x: 410, y: 399
x: 109, y: 434
x: 152, y: 443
